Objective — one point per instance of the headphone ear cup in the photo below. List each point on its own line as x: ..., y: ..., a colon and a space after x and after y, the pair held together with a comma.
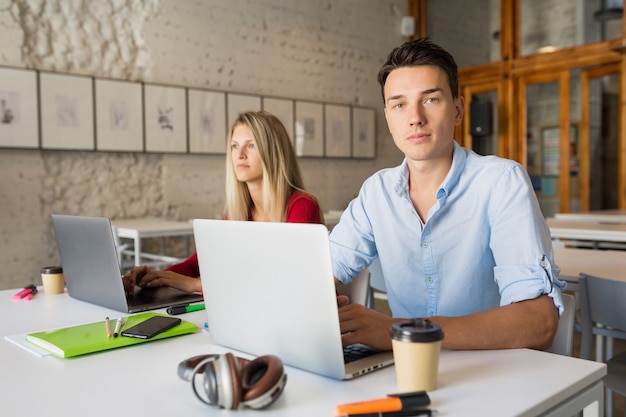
x: 262, y: 381
x: 222, y: 383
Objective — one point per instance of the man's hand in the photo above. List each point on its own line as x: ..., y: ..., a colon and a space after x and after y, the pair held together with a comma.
x: 360, y: 324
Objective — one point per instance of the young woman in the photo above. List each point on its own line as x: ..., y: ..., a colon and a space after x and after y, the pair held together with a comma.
x: 263, y: 183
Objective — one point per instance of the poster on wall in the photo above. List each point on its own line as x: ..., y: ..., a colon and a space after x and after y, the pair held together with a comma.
x: 207, y: 121
x: 363, y: 132
x: 283, y: 109
x: 119, y: 117
x: 165, y: 118
x: 19, y: 115
x: 67, y: 118
x: 309, y: 130
x: 239, y: 103
x: 337, y: 131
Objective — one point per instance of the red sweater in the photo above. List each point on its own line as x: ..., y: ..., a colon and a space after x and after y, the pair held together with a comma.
x: 302, y: 208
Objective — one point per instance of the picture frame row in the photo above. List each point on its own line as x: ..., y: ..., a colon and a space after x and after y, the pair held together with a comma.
x: 47, y: 110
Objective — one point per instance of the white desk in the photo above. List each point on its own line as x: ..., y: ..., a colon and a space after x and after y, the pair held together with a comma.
x: 577, y: 230
x: 138, y: 229
x: 609, y: 264
x: 598, y: 216
x: 141, y: 380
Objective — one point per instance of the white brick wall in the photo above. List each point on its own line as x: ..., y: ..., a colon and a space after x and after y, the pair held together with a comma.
x: 317, y: 50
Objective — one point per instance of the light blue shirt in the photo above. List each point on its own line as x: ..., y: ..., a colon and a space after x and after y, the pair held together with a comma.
x: 485, y: 242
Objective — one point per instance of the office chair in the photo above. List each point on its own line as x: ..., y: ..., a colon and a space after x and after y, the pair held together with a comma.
x: 564, y: 337
x: 357, y: 290
x: 603, y: 314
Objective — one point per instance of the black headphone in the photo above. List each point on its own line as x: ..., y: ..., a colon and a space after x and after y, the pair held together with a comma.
x: 229, y: 380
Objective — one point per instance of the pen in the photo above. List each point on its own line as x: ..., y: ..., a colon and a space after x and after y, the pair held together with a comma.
x: 118, y: 326
x: 174, y: 310
x: 108, y: 325
x: 27, y: 290
x: 403, y: 413
x: 393, y: 402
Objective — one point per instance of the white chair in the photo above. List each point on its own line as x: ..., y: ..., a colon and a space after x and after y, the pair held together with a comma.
x: 357, y: 290
x: 603, y: 314
x: 564, y: 337
x: 377, y: 289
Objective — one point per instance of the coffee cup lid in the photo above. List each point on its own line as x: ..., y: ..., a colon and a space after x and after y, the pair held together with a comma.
x: 51, y: 270
x: 416, y: 330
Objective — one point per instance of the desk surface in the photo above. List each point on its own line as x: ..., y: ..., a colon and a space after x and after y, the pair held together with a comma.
x: 142, y: 380
x: 148, y: 227
x: 603, y: 263
x: 565, y: 229
x: 599, y: 216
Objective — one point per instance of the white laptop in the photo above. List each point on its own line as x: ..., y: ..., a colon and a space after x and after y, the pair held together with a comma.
x: 269, y: 289
x: 92, y: 271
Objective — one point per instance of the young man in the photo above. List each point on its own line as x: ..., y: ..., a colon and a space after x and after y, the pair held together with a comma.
x: 460, y: 237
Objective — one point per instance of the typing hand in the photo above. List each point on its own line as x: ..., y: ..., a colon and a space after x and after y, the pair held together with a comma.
x: 134, y: 277
x: 171, y: 279
x: 360, y: 324
x: 342, y: 300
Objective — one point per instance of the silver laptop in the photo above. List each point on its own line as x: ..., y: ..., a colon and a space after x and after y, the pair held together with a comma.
x: 92, y: 271
x: 269, y: 289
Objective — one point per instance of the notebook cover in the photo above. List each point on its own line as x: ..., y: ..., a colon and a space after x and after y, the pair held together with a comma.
x: 92, y: 337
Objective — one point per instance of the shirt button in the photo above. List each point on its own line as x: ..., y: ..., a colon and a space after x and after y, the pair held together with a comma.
x: 544, y: 264
x: 430, y: 280
x: 425, y: 244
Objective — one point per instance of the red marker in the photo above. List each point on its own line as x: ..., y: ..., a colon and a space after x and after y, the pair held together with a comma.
x: 31, y: 295
x: 27, y: 290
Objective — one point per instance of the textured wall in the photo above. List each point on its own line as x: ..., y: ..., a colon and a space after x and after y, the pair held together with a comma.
x: 317, y: 50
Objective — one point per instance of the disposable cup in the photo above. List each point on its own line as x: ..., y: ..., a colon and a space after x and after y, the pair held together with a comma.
x: 416, y: 346
x: 53, y: 279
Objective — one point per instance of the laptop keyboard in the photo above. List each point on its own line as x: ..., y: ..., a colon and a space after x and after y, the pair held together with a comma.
x: 357, y: 351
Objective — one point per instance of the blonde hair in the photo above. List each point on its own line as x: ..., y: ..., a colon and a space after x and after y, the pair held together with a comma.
x: 281, y: 172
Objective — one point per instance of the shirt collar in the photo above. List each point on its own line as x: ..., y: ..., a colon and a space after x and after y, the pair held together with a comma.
x: 459, y: 157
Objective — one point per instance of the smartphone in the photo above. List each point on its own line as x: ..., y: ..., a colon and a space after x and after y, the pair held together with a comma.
x: 151, y: 327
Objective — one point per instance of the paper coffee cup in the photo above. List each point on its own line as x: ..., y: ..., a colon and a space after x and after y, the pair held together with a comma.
x: 53, y: 279
x: 416, y: 346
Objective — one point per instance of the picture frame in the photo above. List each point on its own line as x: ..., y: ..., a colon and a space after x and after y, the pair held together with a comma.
x: 337, y: 131
x: 309, y: 129
x: 19, y: 113
x: 67, y: 113
x: 165, y: 118
x: 207, y: 121
x: 239, y: 103
x: 283, y: 110
x: 119, y: 115
x: 363, y: 132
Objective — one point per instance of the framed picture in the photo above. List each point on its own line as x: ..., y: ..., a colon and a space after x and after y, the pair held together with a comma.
x: 363, y: 132
x: 66, y: 111
x: 283, y: 109
x: 165, y: 117
x: 119, y: 116
x: 337, y: 132
x: 238, y: 103
x: 19, y: 115
x: 207, y: 121
x: 309, y: 132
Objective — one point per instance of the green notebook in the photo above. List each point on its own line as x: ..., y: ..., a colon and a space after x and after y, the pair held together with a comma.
x: 92, y: 337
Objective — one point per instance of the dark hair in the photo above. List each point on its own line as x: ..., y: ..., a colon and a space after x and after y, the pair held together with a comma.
x: 420, y: 52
